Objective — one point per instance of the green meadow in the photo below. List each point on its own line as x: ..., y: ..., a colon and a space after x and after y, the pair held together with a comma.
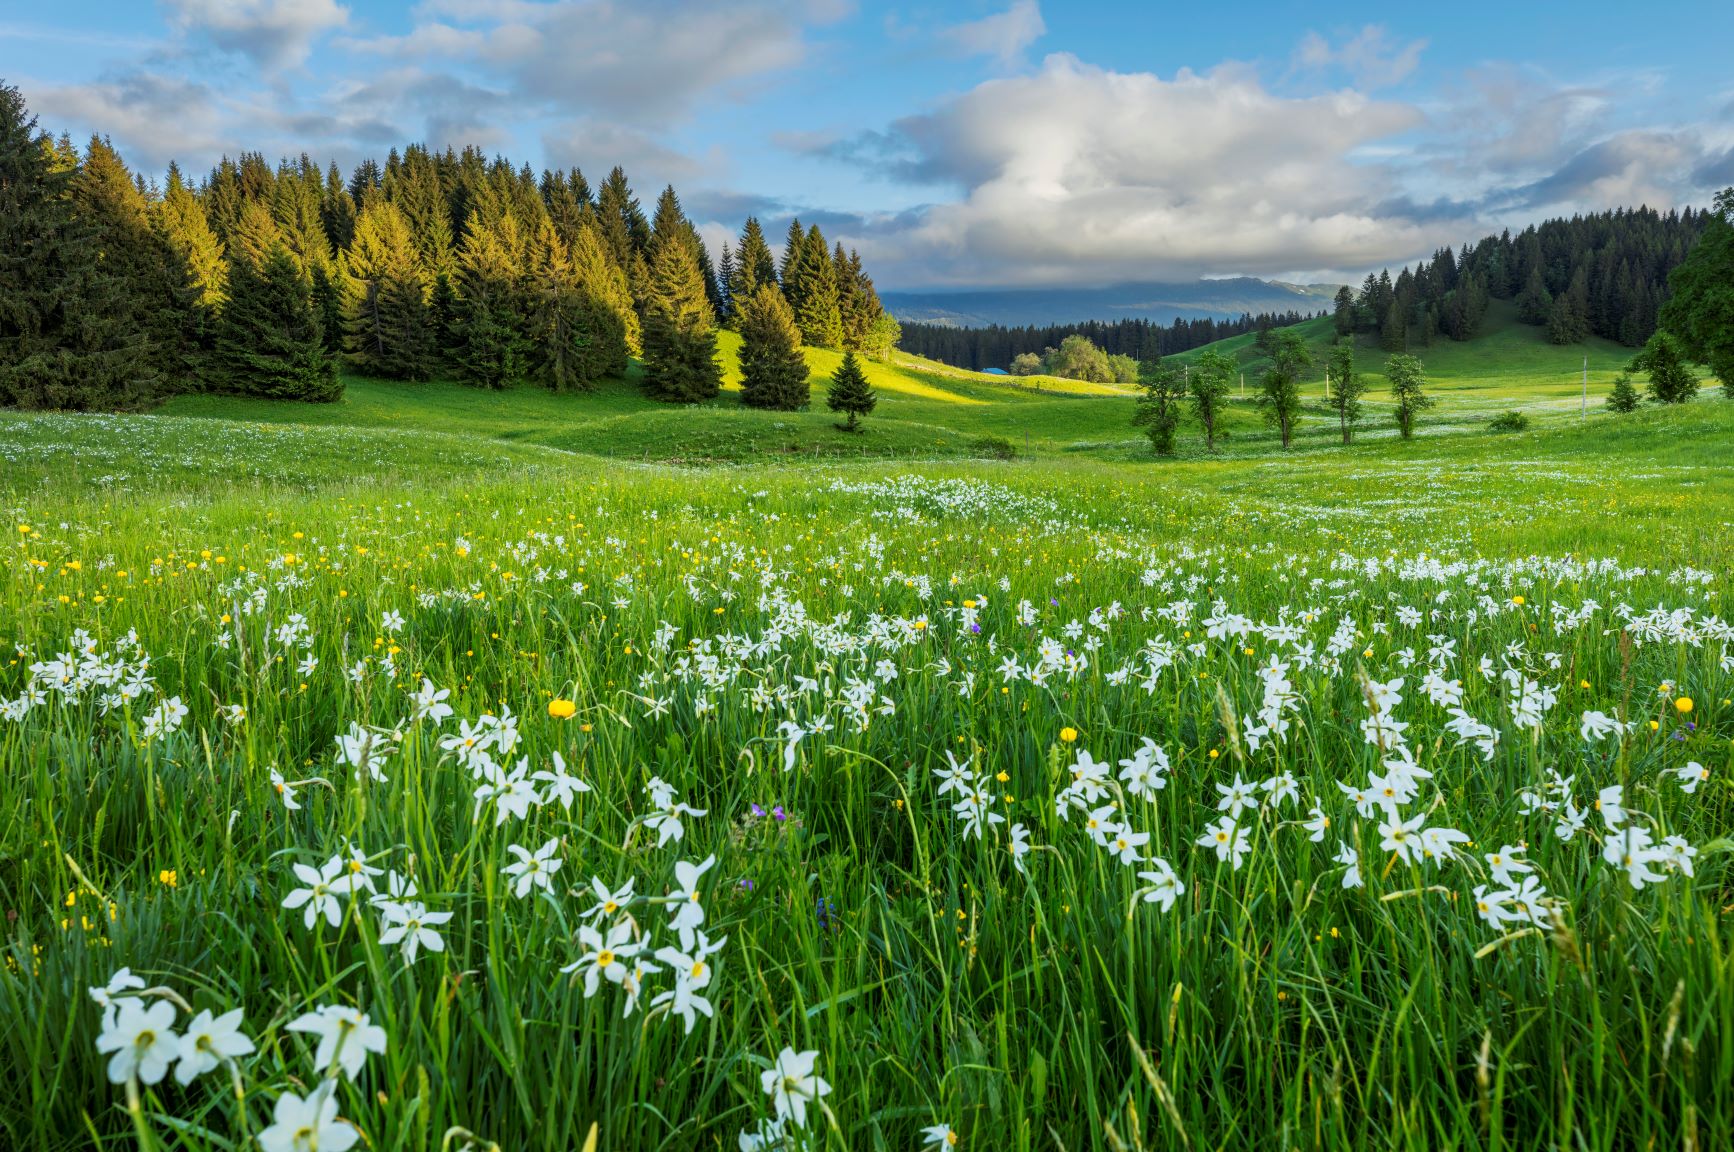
x: 950, y: 740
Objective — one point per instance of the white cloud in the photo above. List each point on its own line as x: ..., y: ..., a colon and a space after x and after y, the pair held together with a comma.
x: 1003, y: 35
x: 1371, y: 57
x: 1079, y: 174
x: 648, y: 63
x: 275, y: 34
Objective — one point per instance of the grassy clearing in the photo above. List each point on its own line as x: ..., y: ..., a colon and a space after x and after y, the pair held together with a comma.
x: 202, y: 607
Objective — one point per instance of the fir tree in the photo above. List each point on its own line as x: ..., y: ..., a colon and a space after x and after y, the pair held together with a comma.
x: 1344, y: 315
x: 386, y: 327
x: 1408, y: 382
x: 605, y: 283
x: 1565, y: 324
x: 725, y: 278
x: 850, y: 393
x: 679, y: 344
x: 489, y: 342
x: 1534, y: 303
x: 156, y: 291
x: 1346, y: 387
x: 269, y: 341
x: 793, y: 242
x: 188, y: 234
x: 773, y: 370
x: 337, y: 210
x: 815, y: 299
x: 1158, y: 410
x: 754, y: 264
x: 1624, y: 397
x: 1664, y: 361
x: 67, y: 337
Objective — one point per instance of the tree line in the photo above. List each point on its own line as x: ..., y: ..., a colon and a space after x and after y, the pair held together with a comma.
x: 1605, y: 274
x: 264, y: 280
x: 1000, y: 347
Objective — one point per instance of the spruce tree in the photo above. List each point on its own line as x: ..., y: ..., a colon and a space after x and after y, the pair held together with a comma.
x: 773, y: 370
x: 269, y: 341
x: 1343, y: 317
x: 850, y: 393
x: 1408, y: 382
x: 386, y: 327
x: 815, y: 301
x: 1534, y: 304
x: 680, y: 362
x: 67, y: 336
x: 488, y: 330
x: 725, y: 279
x: 182, y: 223
x: 794, y: 242
x: 1664, y: 361
x: 605, y: 284
x: 754, y: 264
x: 156, y: 289
x: 1624, y: 397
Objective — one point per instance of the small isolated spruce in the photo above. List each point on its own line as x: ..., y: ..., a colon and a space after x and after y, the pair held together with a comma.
x: 850, y: 393
x: 1624, y: 397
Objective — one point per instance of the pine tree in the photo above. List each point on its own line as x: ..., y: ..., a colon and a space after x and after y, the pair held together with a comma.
x: 1534, y: 303
x: 386, y: 327
x: 188, y: 234
x: 1624, y: 397
x: 1408, y: 382
x: 488, y: 331
x: 773, y: 370
x: 605, y: 283
x: 725, y: 278
x: 679, y: 344
x: 1344, y: 315
x: 1664, y: 361
x: 269, y: 341
x: 850, y: 393
x: 67, y: 337
x: 1346, y: 386
x: 156, y: 290
x: 814, y: 301
x: 754, y: 264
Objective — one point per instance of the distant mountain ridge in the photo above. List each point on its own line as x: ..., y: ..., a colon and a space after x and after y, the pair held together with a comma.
x: 1162, y: 303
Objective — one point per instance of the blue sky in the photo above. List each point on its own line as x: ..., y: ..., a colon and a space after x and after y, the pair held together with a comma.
x: 971, y: 143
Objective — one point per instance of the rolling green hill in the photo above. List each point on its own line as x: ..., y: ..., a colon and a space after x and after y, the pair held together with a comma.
x: 931, y: 410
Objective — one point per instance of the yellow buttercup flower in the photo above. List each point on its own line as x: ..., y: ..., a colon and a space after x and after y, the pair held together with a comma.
x: 561, y: 709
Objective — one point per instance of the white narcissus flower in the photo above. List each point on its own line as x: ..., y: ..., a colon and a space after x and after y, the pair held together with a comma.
x: 1690, y: 775
x: 412, y: 925
x: 323, y: 886
x: 1229, y: 840
x: 604, y: 957
x: 208, y: 1041
x: 308, y: 1124
x: 1165, y: 886
x: 938, y: 1136
x: 792, y: 1084
x: 685, y: 911
x: 345, y: 1038
x: 142, y: 1039
x: 532, y: 869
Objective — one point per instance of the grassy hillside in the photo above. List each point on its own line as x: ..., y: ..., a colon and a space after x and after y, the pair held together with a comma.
x: 926, y: 410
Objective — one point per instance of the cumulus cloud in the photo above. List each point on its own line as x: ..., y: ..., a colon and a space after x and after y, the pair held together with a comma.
x: 1078, y: 173
x: 646, y: 63
x: 274, y: 34
x: 1003, y: 35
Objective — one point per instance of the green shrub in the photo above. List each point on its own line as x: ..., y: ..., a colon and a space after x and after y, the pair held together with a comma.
x: 1510, y: 422
x: 992, y: 448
